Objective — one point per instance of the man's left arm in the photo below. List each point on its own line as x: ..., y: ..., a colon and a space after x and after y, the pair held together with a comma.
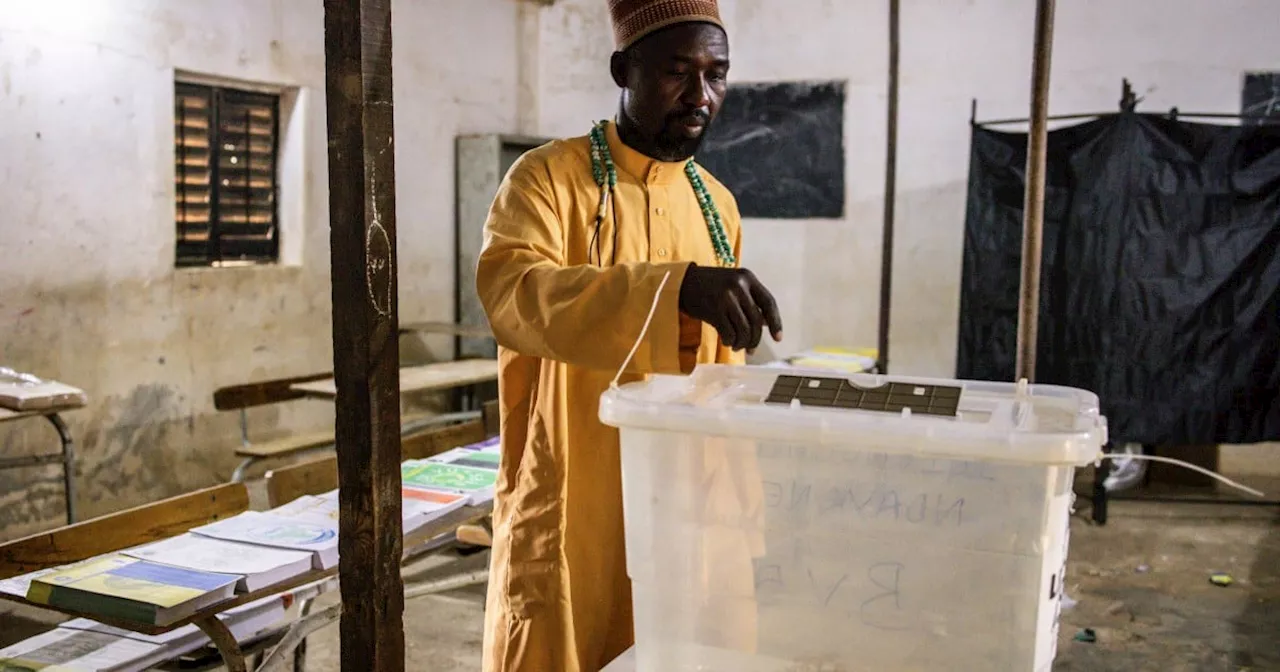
x: 732, y: 219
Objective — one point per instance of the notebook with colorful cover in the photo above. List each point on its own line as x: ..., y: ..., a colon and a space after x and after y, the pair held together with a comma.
x: 19, y: 585
x: 274, y: 531
x: 259, y: 567
x: 126, y: 588
x: 423, y: 506
x: 476, y: 484
x: 243, y: 622
x: 418, y: 507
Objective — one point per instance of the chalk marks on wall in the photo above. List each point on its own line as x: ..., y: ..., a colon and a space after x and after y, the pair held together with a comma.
x: 779, y: 147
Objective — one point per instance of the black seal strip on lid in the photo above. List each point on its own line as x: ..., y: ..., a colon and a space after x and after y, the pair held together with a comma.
x: 840, y: 393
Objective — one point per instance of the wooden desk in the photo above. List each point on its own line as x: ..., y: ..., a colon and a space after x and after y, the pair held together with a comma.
x: 66, y: 456
x: 425, y: 378
x: 207, y: 619
x: 447, y: 329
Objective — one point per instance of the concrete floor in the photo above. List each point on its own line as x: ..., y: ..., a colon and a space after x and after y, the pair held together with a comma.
x: 442, y: 633
x: 1170, y: 617
x: 1166, y: 616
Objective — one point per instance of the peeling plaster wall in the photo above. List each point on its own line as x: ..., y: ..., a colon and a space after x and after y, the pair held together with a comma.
x: 826, y: 274
x: 88, y: 292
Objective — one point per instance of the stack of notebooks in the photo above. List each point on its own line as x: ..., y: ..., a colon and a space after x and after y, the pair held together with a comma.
x: 468, y: 474
x: 126, y: 588
x: 165, y: 582
x: 170, y: 580
x: 25, y: 392
x: 83, y: 645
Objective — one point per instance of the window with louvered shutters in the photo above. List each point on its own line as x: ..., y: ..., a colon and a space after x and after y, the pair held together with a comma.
x: 225, y: 144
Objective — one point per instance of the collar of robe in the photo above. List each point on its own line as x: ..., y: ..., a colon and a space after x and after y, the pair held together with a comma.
x: 643, y: 168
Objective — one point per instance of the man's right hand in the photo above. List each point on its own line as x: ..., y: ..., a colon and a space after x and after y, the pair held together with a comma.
x: 732, y: 301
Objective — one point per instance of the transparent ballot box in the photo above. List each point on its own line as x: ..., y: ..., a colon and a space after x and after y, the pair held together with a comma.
x: 804, y: 520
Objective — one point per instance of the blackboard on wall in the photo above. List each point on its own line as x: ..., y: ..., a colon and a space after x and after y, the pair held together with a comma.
x: 779, y: 147
x: 1260, y: 96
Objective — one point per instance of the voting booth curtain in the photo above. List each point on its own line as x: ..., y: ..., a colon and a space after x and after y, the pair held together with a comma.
x: 1160, y: 287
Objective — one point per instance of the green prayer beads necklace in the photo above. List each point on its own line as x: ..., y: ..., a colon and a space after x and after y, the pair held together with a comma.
x: 607, y: 179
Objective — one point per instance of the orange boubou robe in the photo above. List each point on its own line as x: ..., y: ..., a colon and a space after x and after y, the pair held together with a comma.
x: 559, y: 597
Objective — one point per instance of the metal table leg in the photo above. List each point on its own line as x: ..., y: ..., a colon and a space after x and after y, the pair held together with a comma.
x: 68, y: 464
x: 237, y: 476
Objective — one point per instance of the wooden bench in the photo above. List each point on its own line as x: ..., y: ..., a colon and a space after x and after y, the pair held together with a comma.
x: 321, y: 475
x: 127, y: 529
x: 176, y: 515
x: 462, y: 374
x: 124, y: 529
x: 430, y: 377
x: 490, y: 416
x: 243, y: 397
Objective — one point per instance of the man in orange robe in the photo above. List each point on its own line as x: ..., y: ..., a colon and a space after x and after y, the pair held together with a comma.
x: 579, y: 240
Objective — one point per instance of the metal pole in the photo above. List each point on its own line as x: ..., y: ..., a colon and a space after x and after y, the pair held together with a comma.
x: 1033, y: 206
x: 68, y: 464
x: 890, y: 193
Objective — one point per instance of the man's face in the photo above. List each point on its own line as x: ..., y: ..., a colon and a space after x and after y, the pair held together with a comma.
x: 673, y: 84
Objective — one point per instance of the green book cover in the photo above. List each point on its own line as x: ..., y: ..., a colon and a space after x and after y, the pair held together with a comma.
x: 101, y: 605
x: 125, y: 588
x: 438, y: 476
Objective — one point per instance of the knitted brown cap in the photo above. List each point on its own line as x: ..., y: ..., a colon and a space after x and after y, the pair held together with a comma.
x: 634, y: 19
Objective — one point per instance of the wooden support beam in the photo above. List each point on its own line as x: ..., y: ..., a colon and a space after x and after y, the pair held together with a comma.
x: 1033, y: 205
x: 362, y: 210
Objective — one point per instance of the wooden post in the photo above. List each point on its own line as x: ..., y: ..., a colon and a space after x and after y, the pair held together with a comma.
x: 362, y: 210
x: 890, y: 194
x: 1033, y: 205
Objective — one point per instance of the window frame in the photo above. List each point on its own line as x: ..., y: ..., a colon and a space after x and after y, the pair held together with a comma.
x: 219, y: 97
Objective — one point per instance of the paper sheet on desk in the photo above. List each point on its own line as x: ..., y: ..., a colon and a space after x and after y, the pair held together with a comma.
x: 844, y: 360
x: 79, y: 650
x: 19, y: 585
x: 26, y: 392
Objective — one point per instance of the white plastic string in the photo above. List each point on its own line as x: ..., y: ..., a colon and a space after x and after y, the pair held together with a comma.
x: 1188, y: 465
x: 653, y: 308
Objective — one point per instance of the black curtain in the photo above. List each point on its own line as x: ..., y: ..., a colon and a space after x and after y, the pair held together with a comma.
x: 1160, y: 287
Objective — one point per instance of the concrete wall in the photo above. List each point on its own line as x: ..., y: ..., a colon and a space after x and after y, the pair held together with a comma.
x: 826, y: 273
x: 88, y: 292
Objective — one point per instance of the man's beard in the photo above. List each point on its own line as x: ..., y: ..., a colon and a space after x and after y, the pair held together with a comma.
x: 671, y: 144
